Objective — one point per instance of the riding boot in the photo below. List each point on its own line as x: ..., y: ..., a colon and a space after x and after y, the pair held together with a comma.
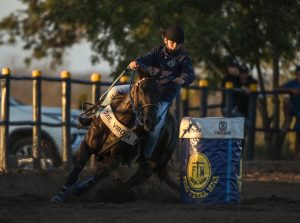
x: 61, y: 196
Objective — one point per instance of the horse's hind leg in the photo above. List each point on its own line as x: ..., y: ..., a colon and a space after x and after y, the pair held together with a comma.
x: 82, y: 157
x: 138, y: 178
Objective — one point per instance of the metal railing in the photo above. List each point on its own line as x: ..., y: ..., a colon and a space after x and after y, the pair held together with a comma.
x: 182, y: 108
x: 65, y: 80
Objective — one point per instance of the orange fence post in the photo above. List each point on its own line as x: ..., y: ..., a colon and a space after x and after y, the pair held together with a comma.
x: 5, y: 91
x: 96, y: 79
x: 66, y: 106
x: 203, y: 84
x: 250, y: 145
x: 228, y: 98
x: 36, y: 117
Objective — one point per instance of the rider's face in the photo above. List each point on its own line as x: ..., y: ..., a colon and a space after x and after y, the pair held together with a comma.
x: 171, y: 45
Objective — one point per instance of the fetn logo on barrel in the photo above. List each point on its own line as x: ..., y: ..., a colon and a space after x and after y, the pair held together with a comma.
x: 199, y: 182
x: 199, y: 171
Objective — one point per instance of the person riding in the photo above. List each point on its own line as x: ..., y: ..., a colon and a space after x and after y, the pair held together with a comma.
x: 171, y: 66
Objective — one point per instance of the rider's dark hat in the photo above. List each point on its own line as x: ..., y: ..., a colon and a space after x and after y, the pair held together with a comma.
x: 174, y: 33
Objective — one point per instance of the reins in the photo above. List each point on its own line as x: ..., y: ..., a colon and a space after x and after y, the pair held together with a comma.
x: 137, y: 111
x: 94, y: 108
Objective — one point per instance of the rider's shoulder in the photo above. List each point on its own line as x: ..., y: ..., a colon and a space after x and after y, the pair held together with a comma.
x: 157, y: 49
x: 185, y: 57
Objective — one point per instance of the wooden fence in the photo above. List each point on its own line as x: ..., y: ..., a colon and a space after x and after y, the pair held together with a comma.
x: 182, y: 108
x: 36, y: 123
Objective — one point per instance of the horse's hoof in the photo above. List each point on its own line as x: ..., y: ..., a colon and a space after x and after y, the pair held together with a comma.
x: 58, y: 199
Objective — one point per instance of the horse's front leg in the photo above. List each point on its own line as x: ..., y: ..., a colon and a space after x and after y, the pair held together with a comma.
x: 82, y: 157
x: 103, y: 170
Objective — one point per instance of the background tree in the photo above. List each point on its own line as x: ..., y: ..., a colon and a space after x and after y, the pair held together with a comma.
x: 266, y: 33
x: 261, y: 33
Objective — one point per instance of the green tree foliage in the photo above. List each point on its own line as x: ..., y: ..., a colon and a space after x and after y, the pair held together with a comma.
x: 259, y: 32
x: 117, y: 30
x: 121, y: 30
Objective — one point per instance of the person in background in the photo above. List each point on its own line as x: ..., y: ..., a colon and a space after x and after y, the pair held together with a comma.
x: 291, y: 107
x: 246, y: 80
x: 232, y: 75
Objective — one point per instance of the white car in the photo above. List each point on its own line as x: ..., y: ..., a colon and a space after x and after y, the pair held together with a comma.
x: 20, y: 136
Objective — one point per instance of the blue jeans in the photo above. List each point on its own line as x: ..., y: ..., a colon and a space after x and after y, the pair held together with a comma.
x: 162, y: 110
x: 114, y: 92
x: 153, y: 136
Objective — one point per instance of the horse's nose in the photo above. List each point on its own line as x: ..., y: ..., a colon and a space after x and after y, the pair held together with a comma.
x: 149, y: 125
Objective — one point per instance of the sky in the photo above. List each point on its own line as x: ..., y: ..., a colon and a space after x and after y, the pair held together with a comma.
x: 77, y: 59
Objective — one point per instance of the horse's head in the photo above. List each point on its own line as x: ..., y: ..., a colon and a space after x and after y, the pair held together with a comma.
x: 147, y: 92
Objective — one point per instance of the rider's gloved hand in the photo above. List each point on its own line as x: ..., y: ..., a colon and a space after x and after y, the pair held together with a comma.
x: 152, y: 71
x: 133, y: 65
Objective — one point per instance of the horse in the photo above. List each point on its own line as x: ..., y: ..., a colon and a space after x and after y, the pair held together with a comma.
x: 137, y: 111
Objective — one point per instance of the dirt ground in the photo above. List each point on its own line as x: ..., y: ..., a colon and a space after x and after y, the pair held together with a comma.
x: 270, y: 193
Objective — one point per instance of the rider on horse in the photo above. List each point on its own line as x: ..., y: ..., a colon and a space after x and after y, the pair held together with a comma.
x: 170, y: 65
x: 170, y: 68
x: 173, y: 68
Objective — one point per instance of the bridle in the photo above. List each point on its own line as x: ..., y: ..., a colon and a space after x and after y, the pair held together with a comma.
x: 136, y: 105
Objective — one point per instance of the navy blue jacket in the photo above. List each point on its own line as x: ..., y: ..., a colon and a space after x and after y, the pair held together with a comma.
x: 168, y: 66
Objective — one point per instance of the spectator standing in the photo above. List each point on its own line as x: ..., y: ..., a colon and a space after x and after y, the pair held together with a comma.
x: 246, y: 80
x: 232, y: 75
x: 291, y: 107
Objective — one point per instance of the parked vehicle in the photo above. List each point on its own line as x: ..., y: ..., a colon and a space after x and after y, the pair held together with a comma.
x: 20, y: 136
